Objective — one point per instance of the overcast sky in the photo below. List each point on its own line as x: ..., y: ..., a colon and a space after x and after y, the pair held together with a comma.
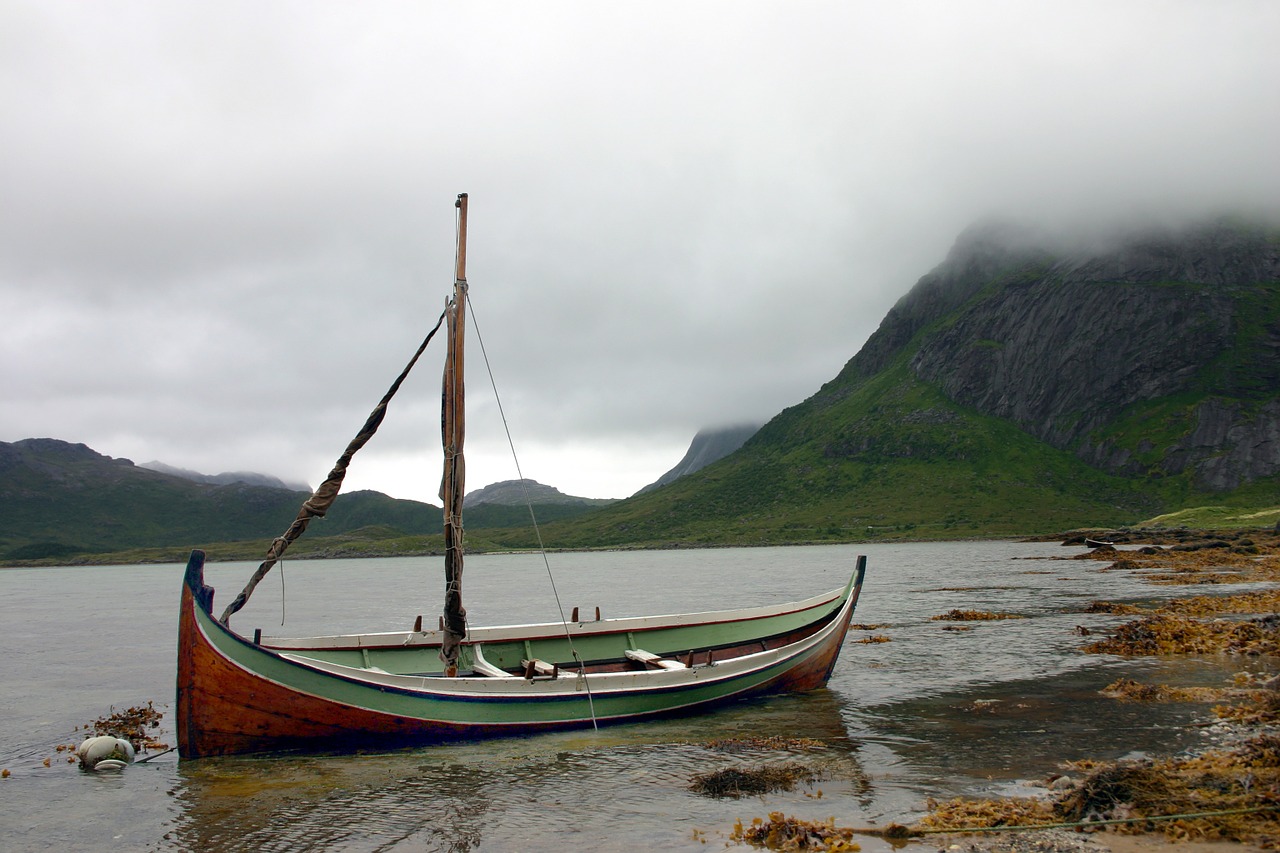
x: 225, y: 226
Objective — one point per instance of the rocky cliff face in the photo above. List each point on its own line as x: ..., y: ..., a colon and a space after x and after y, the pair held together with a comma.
x: 1070, y: 344
x: 709, y: 445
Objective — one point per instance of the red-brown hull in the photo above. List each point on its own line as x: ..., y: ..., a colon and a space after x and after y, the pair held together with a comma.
x: 224, y: 708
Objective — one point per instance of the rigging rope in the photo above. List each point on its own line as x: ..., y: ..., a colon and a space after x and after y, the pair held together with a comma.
x: 318, y: 504
x: 542, y: 548
x: 903, y: 831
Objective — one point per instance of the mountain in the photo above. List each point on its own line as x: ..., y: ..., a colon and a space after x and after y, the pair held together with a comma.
x: 506, y: 504
x: 249, y: 477
x: 709, y: 445
x: 1024, y: 385
x: 520, y: 492
x: 1160, y: 355
x: 60, y: 498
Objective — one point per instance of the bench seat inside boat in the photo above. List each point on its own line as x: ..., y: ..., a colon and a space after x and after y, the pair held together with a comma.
x: 654, y: 660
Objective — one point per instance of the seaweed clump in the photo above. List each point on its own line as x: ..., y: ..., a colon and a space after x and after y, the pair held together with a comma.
x: 961, y: 814
x: 1112, y: 607
x: 750, y: 781
x: 780, y: 832
x: 133, y: 725
x: 973, y: 616
x: 1224, y: 794
x: 1166, y: 632
x: 1128, y: 690
x: 1220, y: 795
x: 778, y: 742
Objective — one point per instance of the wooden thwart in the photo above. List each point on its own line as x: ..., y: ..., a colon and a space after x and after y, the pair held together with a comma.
x: 651, y: 659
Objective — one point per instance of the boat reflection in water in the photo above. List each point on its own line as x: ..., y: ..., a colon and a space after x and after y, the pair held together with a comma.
x: 530, y: 793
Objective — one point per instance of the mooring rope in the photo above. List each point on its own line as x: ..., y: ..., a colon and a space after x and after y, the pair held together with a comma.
x: 542, y: 548
x: 899, y: 831
x: 155, y: 755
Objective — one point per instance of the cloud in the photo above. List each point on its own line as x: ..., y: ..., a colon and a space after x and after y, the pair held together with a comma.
x: 227, y: 225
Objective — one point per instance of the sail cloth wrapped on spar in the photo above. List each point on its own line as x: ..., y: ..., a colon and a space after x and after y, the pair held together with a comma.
x: 241, y: 695
x: 453, y: 412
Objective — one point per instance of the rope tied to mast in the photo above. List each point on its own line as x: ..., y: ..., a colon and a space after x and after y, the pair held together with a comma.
x: 453, y: 478
x: 319, y: 502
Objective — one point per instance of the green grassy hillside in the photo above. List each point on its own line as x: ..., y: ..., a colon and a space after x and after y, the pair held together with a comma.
x: 890, y: 459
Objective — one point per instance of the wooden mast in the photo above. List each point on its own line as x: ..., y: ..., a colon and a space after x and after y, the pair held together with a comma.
x: 452, y: 487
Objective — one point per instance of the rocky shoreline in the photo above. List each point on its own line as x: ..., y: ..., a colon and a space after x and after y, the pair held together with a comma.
x: 1239, y: 767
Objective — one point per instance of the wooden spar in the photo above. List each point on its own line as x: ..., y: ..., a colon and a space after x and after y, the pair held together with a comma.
x: 453, y: 484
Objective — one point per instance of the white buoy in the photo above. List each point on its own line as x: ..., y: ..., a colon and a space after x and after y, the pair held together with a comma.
x: 105, y: 753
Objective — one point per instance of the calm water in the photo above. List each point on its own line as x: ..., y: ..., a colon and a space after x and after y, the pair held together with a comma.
x: 933, y: 713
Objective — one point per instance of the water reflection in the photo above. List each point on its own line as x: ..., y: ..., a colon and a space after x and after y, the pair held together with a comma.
x: 354, y: 802
x: 932, y: 713
x: 1023, y: 730
x: 606, y: 789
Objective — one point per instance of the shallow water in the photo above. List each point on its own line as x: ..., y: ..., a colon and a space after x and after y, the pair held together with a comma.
x: 932, y: 713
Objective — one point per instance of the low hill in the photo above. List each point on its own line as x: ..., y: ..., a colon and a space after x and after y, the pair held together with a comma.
x: 62, y: 499
x: 524, y: 492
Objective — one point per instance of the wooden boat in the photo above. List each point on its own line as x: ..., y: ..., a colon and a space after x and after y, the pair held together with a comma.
x: 242, y: 695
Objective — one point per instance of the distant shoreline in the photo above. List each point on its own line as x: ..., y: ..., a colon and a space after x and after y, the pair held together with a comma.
x: 325, y: 549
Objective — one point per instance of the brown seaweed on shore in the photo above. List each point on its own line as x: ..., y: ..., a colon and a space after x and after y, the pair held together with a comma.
x: 973, y: 616
x: 780, y: 832
x: 773, y: 742
x: 1112, y: 607
x: 132, y: 725
x: 1128, y: 690
x: 960, y: 814
x: 1244, y: 779
x: 1260, y: 706
x: 750, y: 781
x: 1230, y: 794
x: 1170, y: 634
x: 1182, y: 797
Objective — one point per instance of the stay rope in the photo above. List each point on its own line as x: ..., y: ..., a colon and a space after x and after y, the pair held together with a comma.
x: 542, y: 548
x: 319, y: 502
x: 899, y: 831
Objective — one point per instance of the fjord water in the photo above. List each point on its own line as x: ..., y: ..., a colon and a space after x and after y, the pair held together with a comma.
x: 934, y: 712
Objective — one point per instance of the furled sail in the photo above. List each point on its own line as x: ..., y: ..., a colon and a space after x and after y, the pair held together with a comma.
x: 453, y: 428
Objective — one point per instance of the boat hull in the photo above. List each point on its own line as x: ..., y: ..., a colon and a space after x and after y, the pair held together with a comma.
x: 331, y: 694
